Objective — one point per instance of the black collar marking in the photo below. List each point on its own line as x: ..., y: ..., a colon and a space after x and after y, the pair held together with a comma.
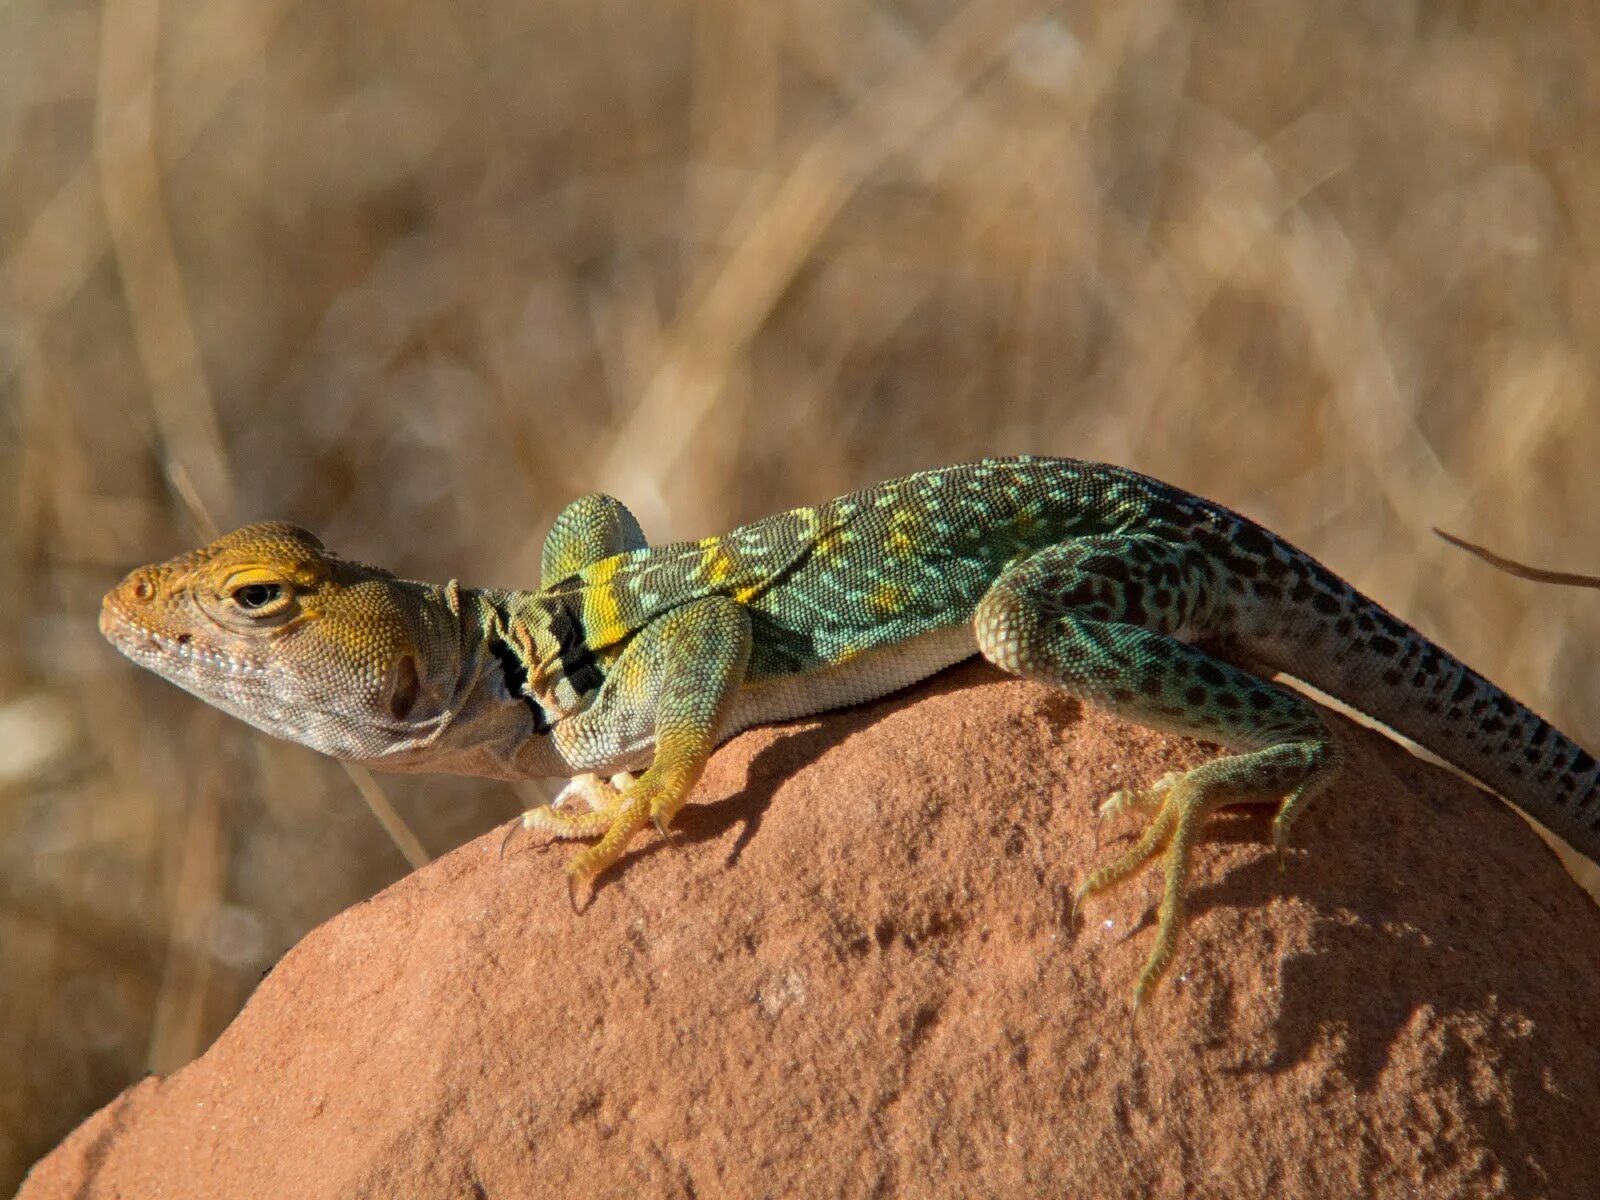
x: 578, y: 665
x: 516, y: 676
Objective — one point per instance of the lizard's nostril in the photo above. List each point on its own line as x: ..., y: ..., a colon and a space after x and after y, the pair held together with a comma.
x: 144, y: 590
x: 183, y: 639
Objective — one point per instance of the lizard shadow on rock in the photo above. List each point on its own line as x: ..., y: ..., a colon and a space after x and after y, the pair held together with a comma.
x: 810, y: 739
x: 1383, y: 959
x: 1315, y: 982
x: 801, y: 743
x: 1378, y: 966
x: 1408, y: 976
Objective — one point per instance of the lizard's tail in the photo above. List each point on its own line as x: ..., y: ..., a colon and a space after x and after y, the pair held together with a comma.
x: 1401, y: 678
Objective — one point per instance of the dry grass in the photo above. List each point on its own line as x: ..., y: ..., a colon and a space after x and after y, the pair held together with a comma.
x: 414, y: 275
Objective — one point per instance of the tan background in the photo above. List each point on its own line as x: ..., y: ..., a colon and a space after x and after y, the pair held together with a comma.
x: 414, y: 275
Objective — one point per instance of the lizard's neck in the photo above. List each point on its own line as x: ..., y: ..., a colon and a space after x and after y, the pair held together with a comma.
x: 497, y: 722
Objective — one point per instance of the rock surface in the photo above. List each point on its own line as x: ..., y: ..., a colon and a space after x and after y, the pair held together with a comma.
x: 851, y: 974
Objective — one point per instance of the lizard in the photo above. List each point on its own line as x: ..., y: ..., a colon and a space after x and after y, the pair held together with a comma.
x: 633, y: 662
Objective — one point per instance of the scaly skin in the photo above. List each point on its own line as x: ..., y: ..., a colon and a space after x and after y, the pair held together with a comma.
x: 1130, y: 594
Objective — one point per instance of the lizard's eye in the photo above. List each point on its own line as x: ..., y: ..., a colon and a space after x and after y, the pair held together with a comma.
x: 257, y: 595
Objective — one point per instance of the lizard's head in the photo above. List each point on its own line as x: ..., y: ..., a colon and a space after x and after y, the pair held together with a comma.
x: 268, y: 625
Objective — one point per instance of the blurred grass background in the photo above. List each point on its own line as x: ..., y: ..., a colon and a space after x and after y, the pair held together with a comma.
x: 414, y: 275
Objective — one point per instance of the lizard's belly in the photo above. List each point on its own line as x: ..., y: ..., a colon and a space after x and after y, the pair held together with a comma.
x: 867, y: 676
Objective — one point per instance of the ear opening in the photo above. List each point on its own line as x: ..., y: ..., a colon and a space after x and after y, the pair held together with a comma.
x: 401, y: 688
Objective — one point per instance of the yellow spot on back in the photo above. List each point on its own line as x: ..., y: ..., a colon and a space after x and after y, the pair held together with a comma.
x: 904, y: 525
x: 602, y: 610
x: 887, y: 598
x: 716, y: 564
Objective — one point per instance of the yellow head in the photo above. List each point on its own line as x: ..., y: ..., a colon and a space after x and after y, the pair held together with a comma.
x: 268, y: 625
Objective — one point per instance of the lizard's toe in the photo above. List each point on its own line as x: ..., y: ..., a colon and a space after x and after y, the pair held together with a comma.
x: 578, y: 883
x: 619, y: 825
x: 583, y: 869
x: 565, y: 825
x: 595, y: 793
x: 1134, y: 800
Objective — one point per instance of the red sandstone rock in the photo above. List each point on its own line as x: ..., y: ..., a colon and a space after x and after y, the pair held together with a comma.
x: 851, y: 974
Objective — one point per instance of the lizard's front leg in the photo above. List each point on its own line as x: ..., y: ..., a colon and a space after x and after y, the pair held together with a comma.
x: 676, y: 680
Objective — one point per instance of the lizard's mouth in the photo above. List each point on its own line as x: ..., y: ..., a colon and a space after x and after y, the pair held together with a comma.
x: 169, y: 654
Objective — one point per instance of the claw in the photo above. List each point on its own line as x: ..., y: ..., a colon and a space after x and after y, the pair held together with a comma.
x: 510, y: 833
x: 1145, y: 984
x: 576, y: 878
x: 1280, y: 842
x: 1078, y: 894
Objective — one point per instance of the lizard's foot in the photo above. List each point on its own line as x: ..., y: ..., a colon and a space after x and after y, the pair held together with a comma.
x: 601, y: 798
x: 1181, y: 808
x: 1182, y: 802
x: 619, y: 824
x: 618, y: 811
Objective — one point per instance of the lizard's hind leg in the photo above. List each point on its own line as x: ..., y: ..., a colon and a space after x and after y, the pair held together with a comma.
x: 1104, y: 618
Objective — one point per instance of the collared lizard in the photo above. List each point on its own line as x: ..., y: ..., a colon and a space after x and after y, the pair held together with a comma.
x: 635, y: 661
